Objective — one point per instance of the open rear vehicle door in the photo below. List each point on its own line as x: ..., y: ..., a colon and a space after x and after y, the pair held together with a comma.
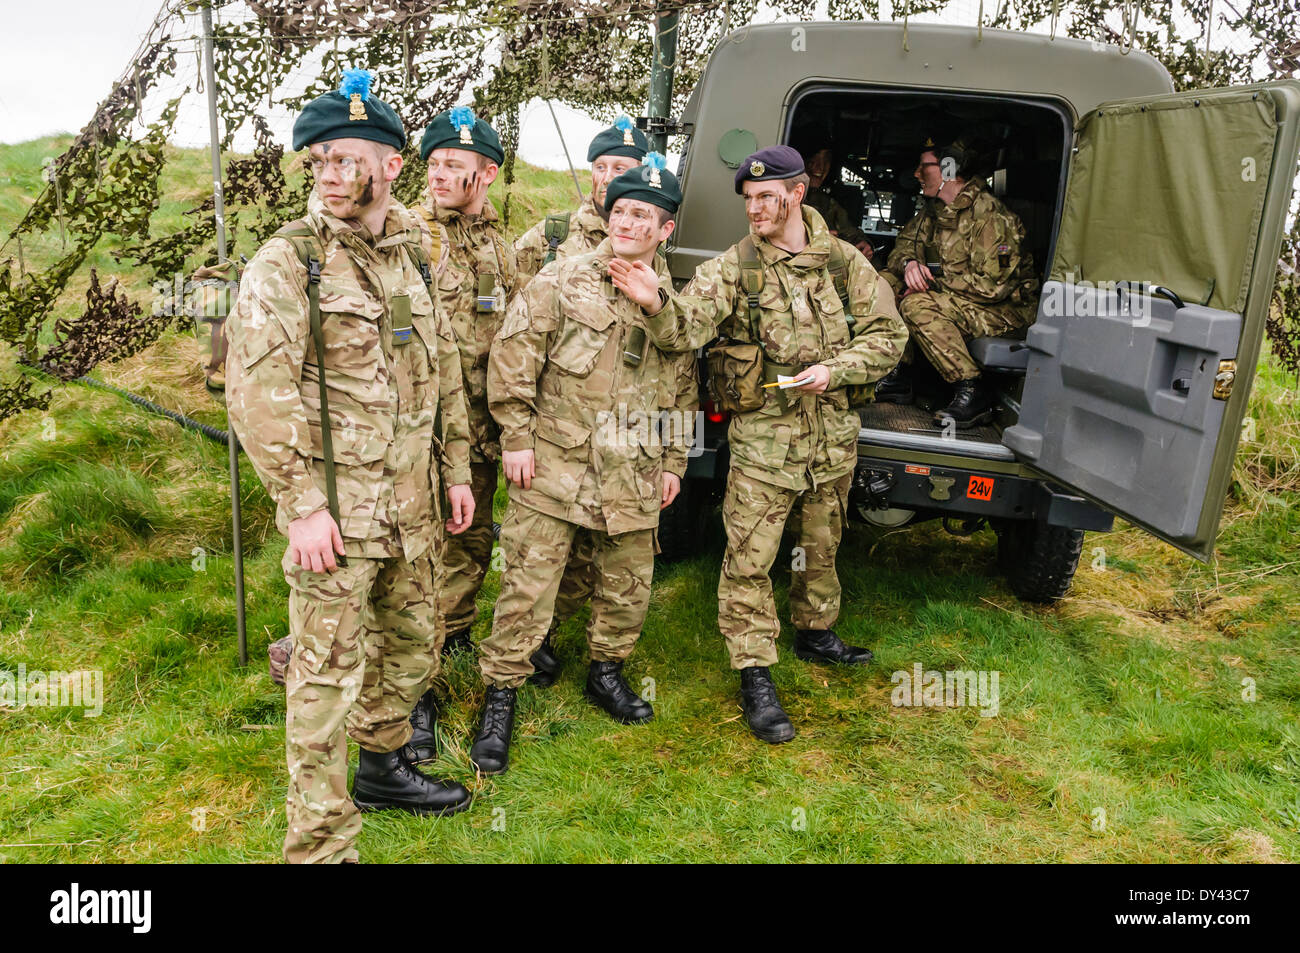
x: 1134, y: 395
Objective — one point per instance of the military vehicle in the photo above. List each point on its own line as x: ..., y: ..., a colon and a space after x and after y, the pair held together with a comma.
x: 1155, y: 220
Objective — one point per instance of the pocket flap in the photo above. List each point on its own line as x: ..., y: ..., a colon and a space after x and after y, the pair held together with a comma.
x: 561, y: 432
x: 344, y: 295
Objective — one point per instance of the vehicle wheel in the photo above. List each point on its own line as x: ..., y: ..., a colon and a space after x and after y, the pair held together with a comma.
x: 1038, y: 560
x: 681, y: 525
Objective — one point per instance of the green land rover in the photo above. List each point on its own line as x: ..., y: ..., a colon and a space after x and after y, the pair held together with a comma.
x: 1155, y: 220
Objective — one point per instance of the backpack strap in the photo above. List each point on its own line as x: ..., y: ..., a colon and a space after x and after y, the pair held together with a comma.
x: 421, y: 260
x: 308, y: 247
x: 838, y: 266
x: 751, y: 280
x: 557, y: 231
x: 416, y: 250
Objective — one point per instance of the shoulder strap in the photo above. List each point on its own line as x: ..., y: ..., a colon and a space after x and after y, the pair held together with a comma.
x: 838, y: 266
x: 751, y: 279
x: 557, y: 231
x: 421, y: 260
x: 309, y: 251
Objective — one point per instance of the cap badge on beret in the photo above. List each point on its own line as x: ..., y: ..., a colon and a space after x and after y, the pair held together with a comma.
x: 462, y: 118
x: 356, y: 88
x: 757, y: 168
x: 929, y: 143
x: 656, y: 162
x: 625, y: 123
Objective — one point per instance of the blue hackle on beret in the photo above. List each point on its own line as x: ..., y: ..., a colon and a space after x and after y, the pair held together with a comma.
x: 355, y: 81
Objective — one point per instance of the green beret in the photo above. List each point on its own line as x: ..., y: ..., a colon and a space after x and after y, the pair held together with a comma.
x: 349, y: 112
x: 651, y: 182
x: 459, y: 128
x: 620, y: 139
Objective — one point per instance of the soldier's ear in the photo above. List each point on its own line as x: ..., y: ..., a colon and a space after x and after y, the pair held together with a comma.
x: 666, y: 229
x: 392, y: 167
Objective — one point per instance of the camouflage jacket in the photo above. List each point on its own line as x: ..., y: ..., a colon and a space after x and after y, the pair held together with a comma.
x: 477, y: 249
x: 793, y: 441
x: 586, y: 230
x: 834, y: 215
x: 979, y: 243
x: 559, y: 382
x: 383, y: 396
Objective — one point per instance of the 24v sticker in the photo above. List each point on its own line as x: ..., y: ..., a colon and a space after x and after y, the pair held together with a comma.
x: 980, y: 488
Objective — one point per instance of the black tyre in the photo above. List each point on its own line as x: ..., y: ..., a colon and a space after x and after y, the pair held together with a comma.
x: 1038, y: 560
x: 681, y: 526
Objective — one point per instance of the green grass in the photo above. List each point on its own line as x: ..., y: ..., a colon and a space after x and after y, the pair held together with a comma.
x: 1126, y: 699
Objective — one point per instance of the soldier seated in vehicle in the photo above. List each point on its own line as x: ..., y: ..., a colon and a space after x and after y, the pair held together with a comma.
x: 962, y: 270
x: 818, y: 163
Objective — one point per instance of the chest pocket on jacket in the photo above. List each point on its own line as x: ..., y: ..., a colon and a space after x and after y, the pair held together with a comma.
x: 578, y: 345
x: 834, y: 323
x: 356, y: 375
x: 776, y: 330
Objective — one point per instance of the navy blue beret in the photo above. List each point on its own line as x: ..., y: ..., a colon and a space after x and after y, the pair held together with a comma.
x: 774, y: 162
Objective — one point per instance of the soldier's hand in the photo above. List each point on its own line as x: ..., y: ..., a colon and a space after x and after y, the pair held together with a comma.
x: 672, y: 486
x: 917, y: 276
x: 313, y: 541
x: 638, y: 281
x: 461, y: 498
x: 821, y: 376
x: 520, y: 467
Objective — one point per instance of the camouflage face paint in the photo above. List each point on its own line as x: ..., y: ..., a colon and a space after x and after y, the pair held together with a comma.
x: 782, y: 214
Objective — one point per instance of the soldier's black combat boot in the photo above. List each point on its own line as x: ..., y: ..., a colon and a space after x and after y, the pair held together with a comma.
x: 546, y: 664
x: 423, y: 745
x: 491, y: 750
x: 388, y: 782
x: 605, y: 687
x: 457, y: 642
x: 823, y: 645
x: 896, y: 386
x: 970, y: 405
x: 767, y: 719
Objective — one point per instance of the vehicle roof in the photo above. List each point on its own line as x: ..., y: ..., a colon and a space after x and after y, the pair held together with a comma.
x: 753, y: 73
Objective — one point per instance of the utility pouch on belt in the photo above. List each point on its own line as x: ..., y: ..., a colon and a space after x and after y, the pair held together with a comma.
x: 736, y: 377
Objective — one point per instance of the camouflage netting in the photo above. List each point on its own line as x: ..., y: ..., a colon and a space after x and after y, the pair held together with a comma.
x: 431, y: 54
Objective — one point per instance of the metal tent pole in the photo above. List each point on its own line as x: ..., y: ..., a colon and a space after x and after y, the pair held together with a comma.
x: 662, y: 66
x: 219, y: 210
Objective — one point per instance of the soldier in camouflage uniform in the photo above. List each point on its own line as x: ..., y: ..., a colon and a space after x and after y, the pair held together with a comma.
x: 611, y: 153
x: 578, y: 393
x: 797, y: 450
x: 818, y: 162
x: 985, y: 285
x: 463, y: 155
x: 363, y: 625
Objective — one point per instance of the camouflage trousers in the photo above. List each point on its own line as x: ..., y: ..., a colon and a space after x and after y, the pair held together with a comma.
x: 941, y: 323
x: 754, y: 515
x: 365, y: 645
x: 468, y: 555
x: 536, y: 549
